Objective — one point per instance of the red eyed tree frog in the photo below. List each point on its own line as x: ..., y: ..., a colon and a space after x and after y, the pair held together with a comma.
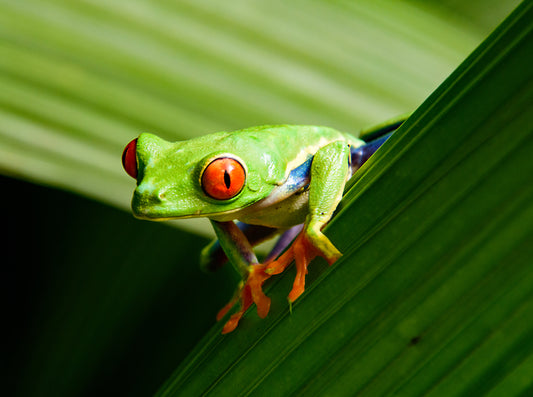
x: 283, y: 179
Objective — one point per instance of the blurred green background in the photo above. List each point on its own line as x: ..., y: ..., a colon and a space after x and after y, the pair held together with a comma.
x: 102, y: 304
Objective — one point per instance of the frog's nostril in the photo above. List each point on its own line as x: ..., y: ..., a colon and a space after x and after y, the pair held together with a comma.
x: 146, y: 194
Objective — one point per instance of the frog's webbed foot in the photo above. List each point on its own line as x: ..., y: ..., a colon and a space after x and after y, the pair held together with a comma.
x: 248, y: 292
x: 303, y: 250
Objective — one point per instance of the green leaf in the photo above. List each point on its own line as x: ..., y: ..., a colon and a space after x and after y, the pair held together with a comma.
x: 434, y: 292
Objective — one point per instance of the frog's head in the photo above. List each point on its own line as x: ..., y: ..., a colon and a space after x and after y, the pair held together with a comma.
x: 211, y: 176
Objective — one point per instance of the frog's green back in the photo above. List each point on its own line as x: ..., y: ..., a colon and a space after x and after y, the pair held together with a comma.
x: 291, y: 144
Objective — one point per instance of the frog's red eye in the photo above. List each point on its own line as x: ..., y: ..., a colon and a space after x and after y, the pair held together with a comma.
x: 129, y: 158
x: 223, y: 178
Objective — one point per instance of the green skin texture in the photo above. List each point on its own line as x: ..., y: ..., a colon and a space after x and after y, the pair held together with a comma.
x: 169, y: 182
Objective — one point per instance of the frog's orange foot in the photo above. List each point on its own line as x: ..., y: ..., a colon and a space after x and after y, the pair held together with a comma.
x: 248, y: 292
x: 302, y: 251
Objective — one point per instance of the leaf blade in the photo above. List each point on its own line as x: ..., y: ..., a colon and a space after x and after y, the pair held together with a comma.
x: 340, y: 320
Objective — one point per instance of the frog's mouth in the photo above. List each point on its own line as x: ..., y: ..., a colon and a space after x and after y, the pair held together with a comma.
x: 166, y: 213
x: 159, y: 213
x: 158, y: 207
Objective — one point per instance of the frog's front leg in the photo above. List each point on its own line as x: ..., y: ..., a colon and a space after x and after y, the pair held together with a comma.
x: 329, y: 172
x: 213, y: 256
x: 240, y: 253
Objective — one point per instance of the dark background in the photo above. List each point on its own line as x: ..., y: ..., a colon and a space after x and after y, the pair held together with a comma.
x: 113, y: 316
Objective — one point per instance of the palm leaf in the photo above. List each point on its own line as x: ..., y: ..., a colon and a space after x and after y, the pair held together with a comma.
x: 433, y: 293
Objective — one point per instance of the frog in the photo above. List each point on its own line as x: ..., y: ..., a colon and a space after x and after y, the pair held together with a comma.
x: 253, y: 184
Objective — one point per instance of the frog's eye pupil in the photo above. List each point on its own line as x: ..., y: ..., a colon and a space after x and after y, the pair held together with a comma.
x: 129, y: 158
x: 227, y: 179
x: 223, y: 178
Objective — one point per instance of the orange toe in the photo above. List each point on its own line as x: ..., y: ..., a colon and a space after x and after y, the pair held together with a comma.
x: 250, y: 292
x: 222, y: 312
x: 232, y: 323
x: 304, y: 253
x: 246, y: 302
x: 255, y: 280
x: 298, y: 287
